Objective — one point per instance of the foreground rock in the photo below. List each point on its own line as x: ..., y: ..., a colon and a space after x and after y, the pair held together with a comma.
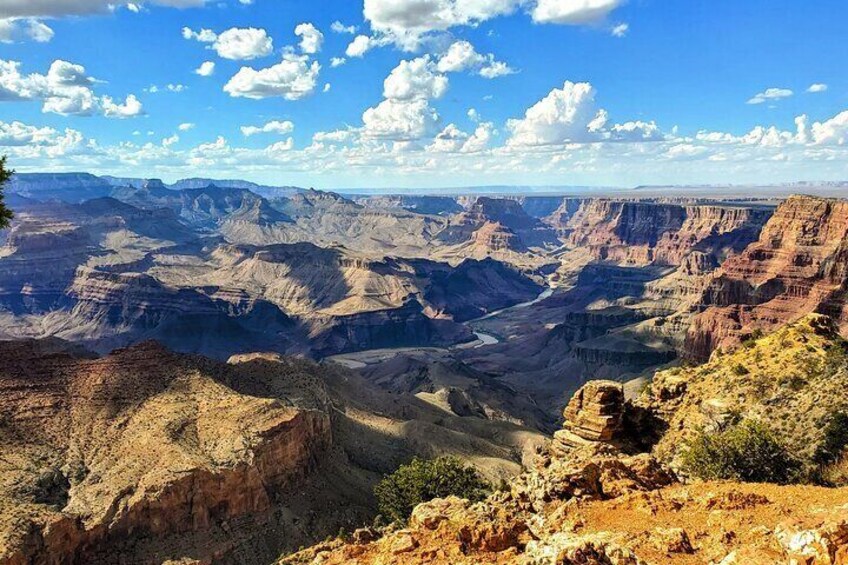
x: 587, y: 502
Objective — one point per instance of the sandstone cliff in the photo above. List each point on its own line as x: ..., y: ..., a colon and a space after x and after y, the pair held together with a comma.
x: 642, y: 233
x: 799, y: 265
x: 144, y: 453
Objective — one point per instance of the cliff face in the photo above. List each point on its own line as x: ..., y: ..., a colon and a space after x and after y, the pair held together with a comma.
x: 799, y: 265
x: 641, y: 233
x: 143, y: 452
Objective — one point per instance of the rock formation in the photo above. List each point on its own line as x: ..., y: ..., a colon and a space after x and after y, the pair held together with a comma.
x: 594, y: 414
x: 798, y: 266
x: 144, y: 452
x: 641, y: 233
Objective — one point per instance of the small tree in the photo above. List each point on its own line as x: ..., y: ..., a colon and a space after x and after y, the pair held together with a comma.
x: 5, y: 175
x: 746, y: 452
x: 423, y: 480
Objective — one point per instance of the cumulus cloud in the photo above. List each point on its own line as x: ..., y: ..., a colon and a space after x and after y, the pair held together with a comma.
x: 407, y: 23
x: 293, y: 78
x: 417, y: 78
x: 337, y: 62
x: 207, y: 68
x: 567, y: 114
x: 130, y: 108
x: 453, y: 140
x: 235, y: 44
x: 400, y: 120
x: 360, y: 45
x: 462, y: 56
x: 770, y: 94
x: 66, y: 89
x: 817, y: 87
x: 275, y: 126
x: 311, y: 38
x: 186, y: 126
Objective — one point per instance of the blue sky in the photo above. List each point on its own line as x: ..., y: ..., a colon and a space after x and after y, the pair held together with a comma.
x: 448, y: 93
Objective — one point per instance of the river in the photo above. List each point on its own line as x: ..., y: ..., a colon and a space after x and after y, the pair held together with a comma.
x: 360, y: 359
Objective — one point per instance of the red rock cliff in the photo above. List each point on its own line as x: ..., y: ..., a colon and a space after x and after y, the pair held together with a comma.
x: 798, y: 266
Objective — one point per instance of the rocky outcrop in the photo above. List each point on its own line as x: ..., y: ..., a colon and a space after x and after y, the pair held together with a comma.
x: 799, y: 265
x: 594, y: 414
x: 790, y: 381
x: 144, y: 454
x: 486, y: 216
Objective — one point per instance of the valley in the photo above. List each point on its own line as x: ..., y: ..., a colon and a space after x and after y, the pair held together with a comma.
x: 194, y: 373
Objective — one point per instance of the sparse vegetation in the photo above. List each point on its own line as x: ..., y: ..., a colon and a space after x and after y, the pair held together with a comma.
x: 6, y: 215
x: 746, y: 452
x: 425, y: 479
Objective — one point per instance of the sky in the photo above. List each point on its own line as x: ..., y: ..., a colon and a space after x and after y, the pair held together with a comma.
x: 397, y: 94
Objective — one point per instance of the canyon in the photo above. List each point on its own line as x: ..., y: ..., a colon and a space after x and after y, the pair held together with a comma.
x: 195, y: 373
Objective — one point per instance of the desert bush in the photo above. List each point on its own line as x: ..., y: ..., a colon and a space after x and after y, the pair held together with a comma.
x: 835, y: 439
x: 425, y: 479
x: 746, y: 452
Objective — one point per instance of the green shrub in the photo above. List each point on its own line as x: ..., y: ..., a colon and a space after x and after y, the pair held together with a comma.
x: 835, y: 439
x: 425, y: 479
x: 746, y: 452
x: 740, y: 370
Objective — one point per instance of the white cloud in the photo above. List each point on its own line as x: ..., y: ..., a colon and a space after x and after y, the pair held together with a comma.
x: 620, y: 30
x: 360, y: 45
x: 565, y: 115
x: 236, y: 44
x: 417, y: 78
x: 204, y: 35
x: 337, y: 62
x: 400, y: 120
x: 207, y: 68
x: 817, y: 87
x: 831, y: 132
x: 275, y: 126
x: 327, y: 87
x: 186, y: 126
x: 293, y: 78
x: 453, y: 140
x: 339, y: 27
x: 462, y: 56
x: 311, y: 38
x: 169, y: 141
x: 573, y: 12
x: 770, y: 94
x: 129, y: 109
x: 15, y: 29
x: 243, y: 44
x: 406, y: 22
x: 280, y: 147
x: 66, y: 89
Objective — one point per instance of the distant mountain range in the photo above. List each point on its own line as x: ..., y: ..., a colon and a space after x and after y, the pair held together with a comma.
x: 78, y: 187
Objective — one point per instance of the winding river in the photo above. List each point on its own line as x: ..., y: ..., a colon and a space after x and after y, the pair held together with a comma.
x: 360, y: 359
